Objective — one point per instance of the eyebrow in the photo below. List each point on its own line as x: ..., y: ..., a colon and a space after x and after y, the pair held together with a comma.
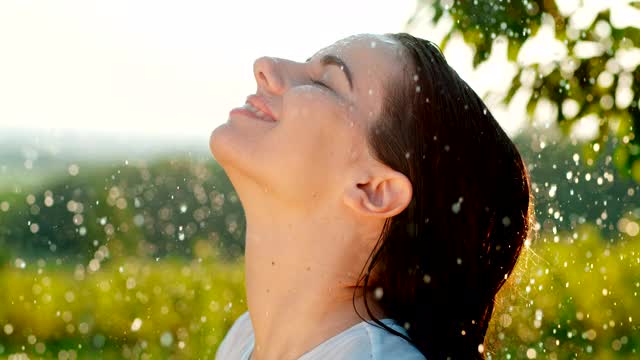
x: 334, y: 60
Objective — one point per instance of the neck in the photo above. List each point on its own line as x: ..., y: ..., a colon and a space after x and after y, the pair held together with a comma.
x: 301, y: 271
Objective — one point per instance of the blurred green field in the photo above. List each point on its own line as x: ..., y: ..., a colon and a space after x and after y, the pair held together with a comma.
x: 572, y: 296
x: 128, y: 308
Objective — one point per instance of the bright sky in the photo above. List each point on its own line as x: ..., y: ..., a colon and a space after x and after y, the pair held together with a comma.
x: 178, y: 67
x: 159, y: 66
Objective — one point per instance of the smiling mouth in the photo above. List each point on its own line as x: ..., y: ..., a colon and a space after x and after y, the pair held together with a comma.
x: 259, y: 105
x: 250, y: 111
x: 257, y: 112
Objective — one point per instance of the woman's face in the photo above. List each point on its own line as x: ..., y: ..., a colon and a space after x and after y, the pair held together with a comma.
x: 322, y: 109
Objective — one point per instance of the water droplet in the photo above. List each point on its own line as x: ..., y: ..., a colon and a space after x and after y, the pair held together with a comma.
x: 456, y: 206
x: 166, y: 339
x: 378, y: 293
x: 20, y: 264
x: 136, y: 324
x: 8, y: 329
x: 74, y: 169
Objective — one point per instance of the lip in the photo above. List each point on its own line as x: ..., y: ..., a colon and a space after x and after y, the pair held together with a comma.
x: 259, y: 103
x: 247, y: 113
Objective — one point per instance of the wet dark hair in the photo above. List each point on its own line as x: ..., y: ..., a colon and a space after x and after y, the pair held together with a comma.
x: 441, y: 262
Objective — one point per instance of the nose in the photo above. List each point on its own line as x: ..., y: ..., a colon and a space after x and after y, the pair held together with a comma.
x: 268, y: 74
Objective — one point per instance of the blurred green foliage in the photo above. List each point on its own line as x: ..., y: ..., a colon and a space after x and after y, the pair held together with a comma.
x: 600, y: 83
x: 150, y: 209
x: 573, y: 295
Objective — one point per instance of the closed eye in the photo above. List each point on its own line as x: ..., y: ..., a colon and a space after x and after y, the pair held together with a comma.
x: 321, y: 84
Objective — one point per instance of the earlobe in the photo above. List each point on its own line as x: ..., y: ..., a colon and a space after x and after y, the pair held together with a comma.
x: 383, y: 195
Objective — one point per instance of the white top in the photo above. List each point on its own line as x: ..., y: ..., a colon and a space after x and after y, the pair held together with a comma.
x: 359, y: 342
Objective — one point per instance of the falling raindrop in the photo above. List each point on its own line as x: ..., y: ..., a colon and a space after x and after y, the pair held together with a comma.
x: 136, y: 324
x: 456, y: 206
x: 378, y: 293
x: 166, y: 339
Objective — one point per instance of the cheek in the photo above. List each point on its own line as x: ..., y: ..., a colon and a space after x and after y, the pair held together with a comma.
x: 316, y: 140
x: 319, y: 122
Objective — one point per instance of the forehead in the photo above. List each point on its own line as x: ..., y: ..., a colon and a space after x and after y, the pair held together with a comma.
x: 367, y: 53
x: 367, y: 40
x: 374, y: 62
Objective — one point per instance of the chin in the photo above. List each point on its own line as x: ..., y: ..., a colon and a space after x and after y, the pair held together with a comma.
x: 231, y: 149
x: 224, y: 146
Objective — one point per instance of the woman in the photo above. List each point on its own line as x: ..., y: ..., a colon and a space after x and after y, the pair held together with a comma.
x: 385, y: 207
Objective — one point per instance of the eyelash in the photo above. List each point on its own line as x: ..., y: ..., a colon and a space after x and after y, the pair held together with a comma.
x: 320, y: 83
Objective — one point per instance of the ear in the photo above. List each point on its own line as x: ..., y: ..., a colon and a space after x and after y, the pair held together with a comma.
x: 382, y: 194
